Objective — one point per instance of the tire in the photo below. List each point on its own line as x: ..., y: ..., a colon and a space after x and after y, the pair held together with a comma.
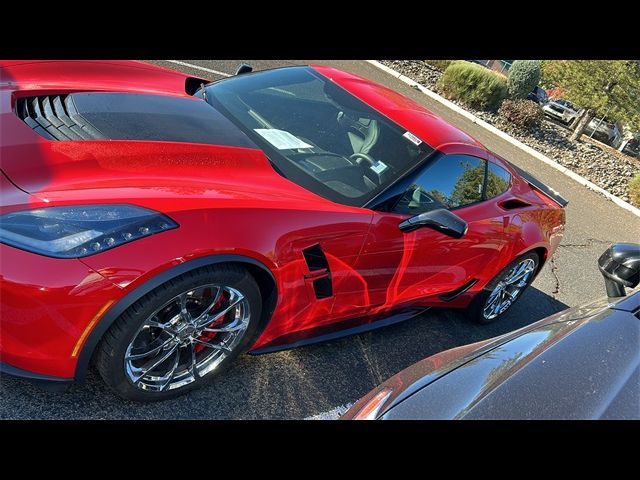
x: 476, y: 310
x: 136, y: 331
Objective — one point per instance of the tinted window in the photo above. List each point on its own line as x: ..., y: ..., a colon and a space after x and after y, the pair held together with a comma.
x: 565, y: 103
x: 498, y: 180
x: 318, y: 134
x: 451, y: 181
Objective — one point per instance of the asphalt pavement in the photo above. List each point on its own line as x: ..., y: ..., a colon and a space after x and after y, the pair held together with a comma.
x: 311, y: 380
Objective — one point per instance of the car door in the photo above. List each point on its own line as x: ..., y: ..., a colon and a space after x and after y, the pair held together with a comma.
x: 401, y: 268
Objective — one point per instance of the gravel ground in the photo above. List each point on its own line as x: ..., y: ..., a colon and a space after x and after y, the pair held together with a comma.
x: 611, y: 171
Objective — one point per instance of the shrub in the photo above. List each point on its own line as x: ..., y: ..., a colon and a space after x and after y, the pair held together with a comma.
x: 524, y: 76
x: 473, y: 85
x: 523, y: 113
x: 634, y: 190
x: 439, y: 64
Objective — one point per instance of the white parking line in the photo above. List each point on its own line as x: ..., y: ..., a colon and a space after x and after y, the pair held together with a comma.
x: 333, y: 414
x: 198, y: 67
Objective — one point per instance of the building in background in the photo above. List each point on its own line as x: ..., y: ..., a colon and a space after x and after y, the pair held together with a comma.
x: 500, y: 66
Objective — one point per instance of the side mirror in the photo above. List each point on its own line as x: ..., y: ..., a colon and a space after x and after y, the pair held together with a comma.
x: 620, y: 267
x: 244, y: 68
x: 441, y: 220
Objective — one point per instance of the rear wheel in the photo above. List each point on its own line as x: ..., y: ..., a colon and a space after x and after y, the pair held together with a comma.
x: 505, y: 289
x: 182, y: 334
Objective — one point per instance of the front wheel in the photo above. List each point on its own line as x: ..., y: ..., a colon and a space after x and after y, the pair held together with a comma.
x: 181, y: 334
x: 505, y: 289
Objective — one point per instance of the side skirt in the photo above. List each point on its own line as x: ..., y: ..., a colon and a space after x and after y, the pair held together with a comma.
x: 338, y: 330
x: 46, y: 382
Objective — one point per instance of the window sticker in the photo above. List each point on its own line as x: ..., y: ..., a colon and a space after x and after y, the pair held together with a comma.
x: 412, y: 138
x: 379, y: 167
x: 281, y: 139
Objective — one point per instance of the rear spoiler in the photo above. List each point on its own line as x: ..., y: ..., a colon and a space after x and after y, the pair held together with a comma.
x: 541, y: 187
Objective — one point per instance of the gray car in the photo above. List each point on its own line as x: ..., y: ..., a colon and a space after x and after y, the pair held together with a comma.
x: 604, y: 130
x: 582, y: 363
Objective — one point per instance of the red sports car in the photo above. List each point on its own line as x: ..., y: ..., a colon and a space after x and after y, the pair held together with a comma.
x: 157, y: 225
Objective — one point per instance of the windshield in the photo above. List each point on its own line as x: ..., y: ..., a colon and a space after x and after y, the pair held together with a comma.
x: 566, y: 103
x: 317, y: 134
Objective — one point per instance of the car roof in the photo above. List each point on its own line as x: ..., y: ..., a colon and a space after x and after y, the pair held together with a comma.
x: 402, y: 110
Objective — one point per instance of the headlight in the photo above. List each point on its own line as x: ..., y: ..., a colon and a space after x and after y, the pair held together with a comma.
x: 80, y: 230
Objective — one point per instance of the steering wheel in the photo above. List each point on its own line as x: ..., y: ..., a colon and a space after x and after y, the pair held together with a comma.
x: 362, y: 156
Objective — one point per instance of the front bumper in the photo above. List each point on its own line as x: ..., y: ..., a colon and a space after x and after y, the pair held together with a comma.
x: 46, y: 306
x: 552, y: 113
x: 47, y: 382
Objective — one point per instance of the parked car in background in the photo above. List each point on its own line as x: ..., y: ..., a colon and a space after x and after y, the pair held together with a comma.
x: 582, y: 363
x: 604, y: 130
x: 561, y: 110
x: 632, y: 146
x: 538, y: 95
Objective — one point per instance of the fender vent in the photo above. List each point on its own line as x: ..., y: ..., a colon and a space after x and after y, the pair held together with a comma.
x: 322, y: 287
x: 320, y: 275
x: 55, y: 117
x: 314, y: 256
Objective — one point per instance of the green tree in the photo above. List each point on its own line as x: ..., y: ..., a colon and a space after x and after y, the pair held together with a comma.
x: 495, y: 185
x: 608, y: 88
x: 468, y: 188
x: 524, y: 76
x: 438, y: 196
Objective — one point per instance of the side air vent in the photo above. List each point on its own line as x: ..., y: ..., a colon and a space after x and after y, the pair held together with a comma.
x: 55, y: 117
x: 322, y: 287
x: 513, y: 203
x: 320, y: 275
x: 314, y: 256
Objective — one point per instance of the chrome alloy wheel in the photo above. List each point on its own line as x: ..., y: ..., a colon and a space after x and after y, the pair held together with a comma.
x: 508, y: 289
x: 186, y: 338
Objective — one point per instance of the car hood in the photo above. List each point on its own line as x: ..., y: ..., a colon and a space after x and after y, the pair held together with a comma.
x: 511, y: 376
x: 103, y: 140
x: 88, y: 169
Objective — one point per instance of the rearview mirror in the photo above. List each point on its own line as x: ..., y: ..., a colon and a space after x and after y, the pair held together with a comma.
x: 244, y: 68
x: 441, y: 220
x: 620, y: 267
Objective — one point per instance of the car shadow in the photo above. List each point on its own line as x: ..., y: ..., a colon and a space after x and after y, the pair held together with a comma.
x: 290, y: 384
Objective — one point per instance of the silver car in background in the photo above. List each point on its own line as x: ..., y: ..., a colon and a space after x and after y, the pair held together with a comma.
x: 561, y: 110
x: 604, y: 130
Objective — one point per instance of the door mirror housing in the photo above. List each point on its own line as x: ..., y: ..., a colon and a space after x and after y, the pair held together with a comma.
x: 620, y: 267
x: 243, y: 68
x: 441, y: 220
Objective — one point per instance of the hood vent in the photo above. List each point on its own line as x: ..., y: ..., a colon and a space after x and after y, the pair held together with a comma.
x: 129, y: 116
x: 55, y: 117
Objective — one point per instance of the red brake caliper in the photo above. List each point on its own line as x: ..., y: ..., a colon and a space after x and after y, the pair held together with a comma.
x: 207, y: 336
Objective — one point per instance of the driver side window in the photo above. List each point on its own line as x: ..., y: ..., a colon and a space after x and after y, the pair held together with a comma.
x: 451, y: 181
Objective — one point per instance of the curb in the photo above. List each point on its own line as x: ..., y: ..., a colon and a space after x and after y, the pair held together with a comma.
x: 516, y: 143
